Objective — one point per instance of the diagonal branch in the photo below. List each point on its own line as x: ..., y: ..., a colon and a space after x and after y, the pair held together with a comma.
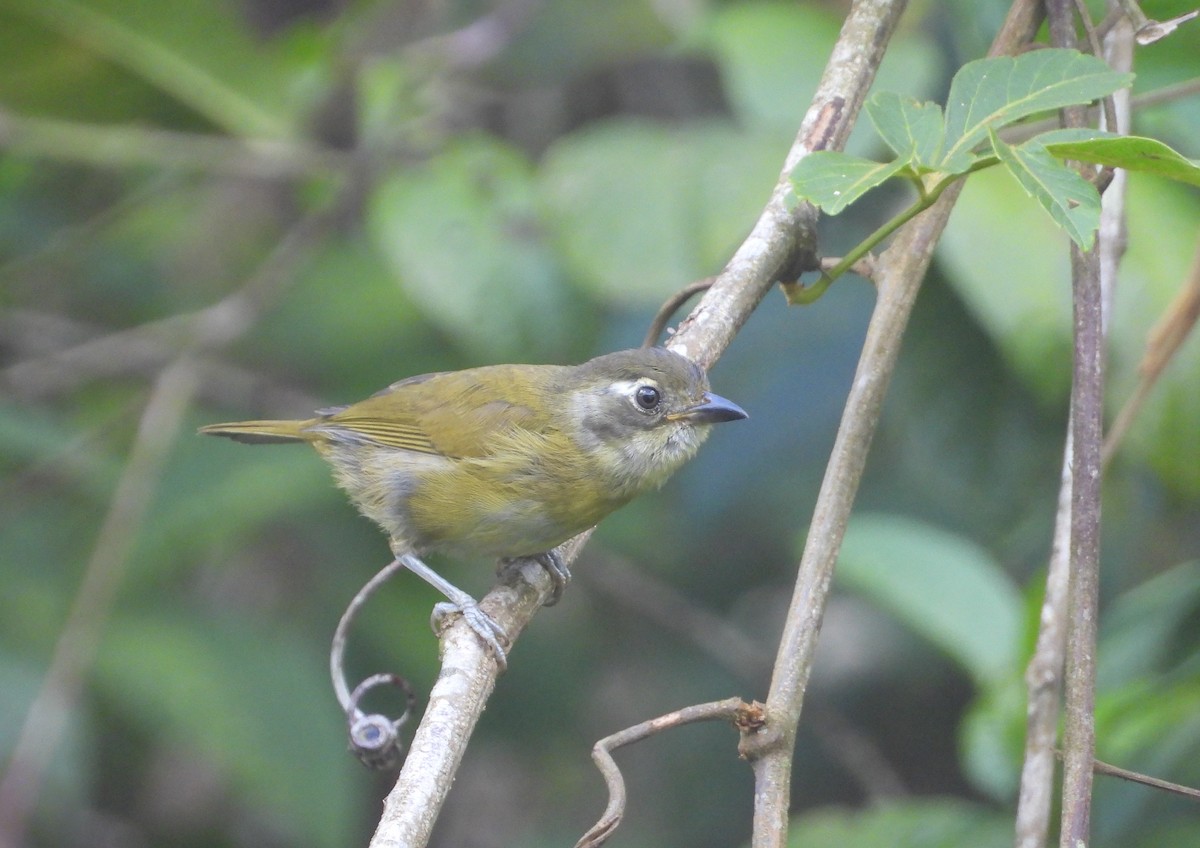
x: 780, y: 245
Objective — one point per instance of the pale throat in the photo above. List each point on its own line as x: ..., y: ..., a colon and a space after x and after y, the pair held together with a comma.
x: 632, y: 454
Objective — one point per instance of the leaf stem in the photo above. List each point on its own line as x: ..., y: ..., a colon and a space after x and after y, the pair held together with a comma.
x: 801, y: 295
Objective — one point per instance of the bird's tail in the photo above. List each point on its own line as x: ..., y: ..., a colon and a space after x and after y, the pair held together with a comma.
x: 259, y: 432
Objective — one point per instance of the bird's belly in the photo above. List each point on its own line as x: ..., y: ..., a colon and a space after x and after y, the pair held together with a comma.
x: 506, y: 516
x: 469, y: 507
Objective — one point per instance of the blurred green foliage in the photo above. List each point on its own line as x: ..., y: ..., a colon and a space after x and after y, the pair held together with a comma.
x: 522, y: 181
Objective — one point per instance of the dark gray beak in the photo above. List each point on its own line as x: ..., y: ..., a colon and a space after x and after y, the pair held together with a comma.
x: 713, y: 409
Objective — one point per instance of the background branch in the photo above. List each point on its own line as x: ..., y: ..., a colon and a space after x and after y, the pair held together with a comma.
x: 898, y: 275
x: 1043, y: 676
x: 158, y: 429
x: 1086, y: 421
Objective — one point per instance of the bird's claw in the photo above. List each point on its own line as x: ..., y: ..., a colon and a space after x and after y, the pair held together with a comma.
x: 560, y: 575
x: 485, y: 627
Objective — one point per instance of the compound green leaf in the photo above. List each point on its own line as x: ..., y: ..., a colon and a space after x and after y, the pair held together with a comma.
x: 911, y: 128
x: 1133, y: 153
x: 990, y: 93
x: 833, y: 180
x: 1072, y: 201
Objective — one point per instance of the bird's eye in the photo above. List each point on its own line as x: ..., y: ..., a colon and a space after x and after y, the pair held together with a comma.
x: 647, y: 397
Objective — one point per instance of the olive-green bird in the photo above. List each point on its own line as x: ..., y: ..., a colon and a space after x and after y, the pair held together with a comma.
x: 507, y: 461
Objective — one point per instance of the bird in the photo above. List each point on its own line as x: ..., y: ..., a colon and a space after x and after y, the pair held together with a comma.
x: 507, y: 461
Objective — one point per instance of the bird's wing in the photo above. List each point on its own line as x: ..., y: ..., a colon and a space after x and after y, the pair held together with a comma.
x: 453, y: 414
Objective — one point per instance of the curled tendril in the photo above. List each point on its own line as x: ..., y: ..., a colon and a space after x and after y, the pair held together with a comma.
x: 374, y: 738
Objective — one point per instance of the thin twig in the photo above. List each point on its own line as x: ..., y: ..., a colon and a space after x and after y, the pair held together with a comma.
x: 42, y: 338
x: 1168, y: 335
x: 745, y: 658
x: 52, y: 708
x: 731, y: 709
x: 1101, y: 767
x: 173, y: 392
x: 207, y: 329
x: 374, y: 738
x: 130, y: 146
x: 898, y: 276
x: 659, y: 322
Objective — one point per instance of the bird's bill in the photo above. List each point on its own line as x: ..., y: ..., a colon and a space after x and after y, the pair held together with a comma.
x: 713, y: 409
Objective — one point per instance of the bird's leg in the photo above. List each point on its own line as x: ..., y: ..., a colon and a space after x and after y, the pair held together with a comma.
x: 460, y: 602
x: 552, y: 561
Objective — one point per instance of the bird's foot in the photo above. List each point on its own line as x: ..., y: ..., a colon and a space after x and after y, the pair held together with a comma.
x: 560, y: 575
x: 485, y: 627
x: 489, y: 632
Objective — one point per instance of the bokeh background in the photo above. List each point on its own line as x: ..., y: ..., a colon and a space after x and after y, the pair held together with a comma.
x: 219, y: 209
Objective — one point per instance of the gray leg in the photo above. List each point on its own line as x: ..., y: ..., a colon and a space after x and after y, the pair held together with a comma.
x: 460, y: 602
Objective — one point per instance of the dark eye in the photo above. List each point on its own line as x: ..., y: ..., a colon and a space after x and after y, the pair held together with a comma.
x: 647, y: 397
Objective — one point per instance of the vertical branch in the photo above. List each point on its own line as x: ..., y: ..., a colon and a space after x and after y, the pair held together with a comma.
x: 1087, y: 397
x: 898, y: 278
x: 1043, y: 676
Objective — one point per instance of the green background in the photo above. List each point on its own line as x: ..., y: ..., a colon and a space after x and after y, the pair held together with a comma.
x: 534, y: 195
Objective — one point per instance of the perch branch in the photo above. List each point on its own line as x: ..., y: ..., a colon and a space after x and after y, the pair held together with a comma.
x: 781, y: 241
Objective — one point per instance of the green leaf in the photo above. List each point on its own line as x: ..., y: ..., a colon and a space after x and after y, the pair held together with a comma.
x: 771, y: 56
x: 463, y: 235
x: 990, y: 93
x: 924, y: 823
x: 1072, y: 201
x: 939, y: 584
x: 639, y: 210
x: 911, y: 128
x: 833, y: 180
x: 1133, y: 153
